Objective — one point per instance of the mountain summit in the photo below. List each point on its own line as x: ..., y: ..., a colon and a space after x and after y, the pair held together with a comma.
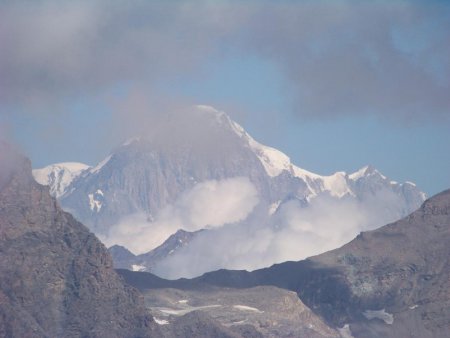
x: 178, y: 165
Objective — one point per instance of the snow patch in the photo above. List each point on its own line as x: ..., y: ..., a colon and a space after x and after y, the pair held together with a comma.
x: 161, y: 321
x: 137, y: 267
x: 94, y: 204
x: 59, y: 176
x: 183, y: 301
x: 273, y: 207
x: 273, y: 160
x: 247, y: 308
x: 379, y: 314
x: 337, y: 185
x: 415, y: 306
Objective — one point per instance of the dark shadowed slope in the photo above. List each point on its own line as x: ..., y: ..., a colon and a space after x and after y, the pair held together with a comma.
x: 391, y: 282
x: 56, y: 278
x: 124, y: 259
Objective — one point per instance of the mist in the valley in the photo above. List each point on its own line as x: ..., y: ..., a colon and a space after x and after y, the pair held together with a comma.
x: 296, y: 232
x: 242, y: 235
x: 209, y: 204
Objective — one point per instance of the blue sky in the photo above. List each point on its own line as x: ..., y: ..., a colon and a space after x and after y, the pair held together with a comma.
x: 334, y: 92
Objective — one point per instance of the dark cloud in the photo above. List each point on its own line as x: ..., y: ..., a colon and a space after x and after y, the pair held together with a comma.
x: 340, y: 57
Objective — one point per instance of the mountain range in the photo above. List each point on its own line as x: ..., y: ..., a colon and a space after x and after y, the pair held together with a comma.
x: 57, y: 279
x: 156, y: 184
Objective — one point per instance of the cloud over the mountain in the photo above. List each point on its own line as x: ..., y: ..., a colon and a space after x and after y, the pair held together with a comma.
x: 297, y: 232
x: 209, y: 204
x: 341, y: 57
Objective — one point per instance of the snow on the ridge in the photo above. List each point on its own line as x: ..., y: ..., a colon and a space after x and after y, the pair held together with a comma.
x: 359, y: 173
x: 273, y: 160
x: 100, y: 165
x: 137, y: 267
x: 379, y: 314
x: 58, y: 176
x: 247, y: 308
x: 207, y: 109
x: 181, y: 312
x: 337, y: 184
x: 183, y: 301
x: 161, y: 321
x: 365, y: 171
x: 410, y: 183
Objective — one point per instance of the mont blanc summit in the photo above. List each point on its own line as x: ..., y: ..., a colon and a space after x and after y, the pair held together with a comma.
x: 155, y: 184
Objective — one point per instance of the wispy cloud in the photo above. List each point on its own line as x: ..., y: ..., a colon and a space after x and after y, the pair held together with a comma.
x: 209, y: 204
x: 294, y: 233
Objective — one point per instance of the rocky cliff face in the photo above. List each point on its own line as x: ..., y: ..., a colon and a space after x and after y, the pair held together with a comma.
x: 57, y: 279
x: 390, y: 282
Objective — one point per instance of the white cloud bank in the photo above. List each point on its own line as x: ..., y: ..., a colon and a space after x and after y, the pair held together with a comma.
x: 295, y: 232
x: 208, y: 204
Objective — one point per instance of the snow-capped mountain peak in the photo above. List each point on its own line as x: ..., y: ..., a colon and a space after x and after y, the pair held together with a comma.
x: 59, y: 176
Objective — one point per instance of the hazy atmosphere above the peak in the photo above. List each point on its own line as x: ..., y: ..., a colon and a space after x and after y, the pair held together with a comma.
x: 335, y: 85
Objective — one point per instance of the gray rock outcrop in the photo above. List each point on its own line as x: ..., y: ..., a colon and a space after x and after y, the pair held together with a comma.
x: 57, y: 279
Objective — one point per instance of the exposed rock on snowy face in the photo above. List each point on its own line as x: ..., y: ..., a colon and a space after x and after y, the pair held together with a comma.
x: 57, y: 279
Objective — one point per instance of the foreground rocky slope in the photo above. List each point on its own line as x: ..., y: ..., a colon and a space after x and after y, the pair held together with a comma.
x: 56, y: 278
x: 390, y: 282
x: 270, y: 311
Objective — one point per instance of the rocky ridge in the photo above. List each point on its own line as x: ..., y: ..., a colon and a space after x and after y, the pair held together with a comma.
x: 57, y: 278
x: 390, y: 282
